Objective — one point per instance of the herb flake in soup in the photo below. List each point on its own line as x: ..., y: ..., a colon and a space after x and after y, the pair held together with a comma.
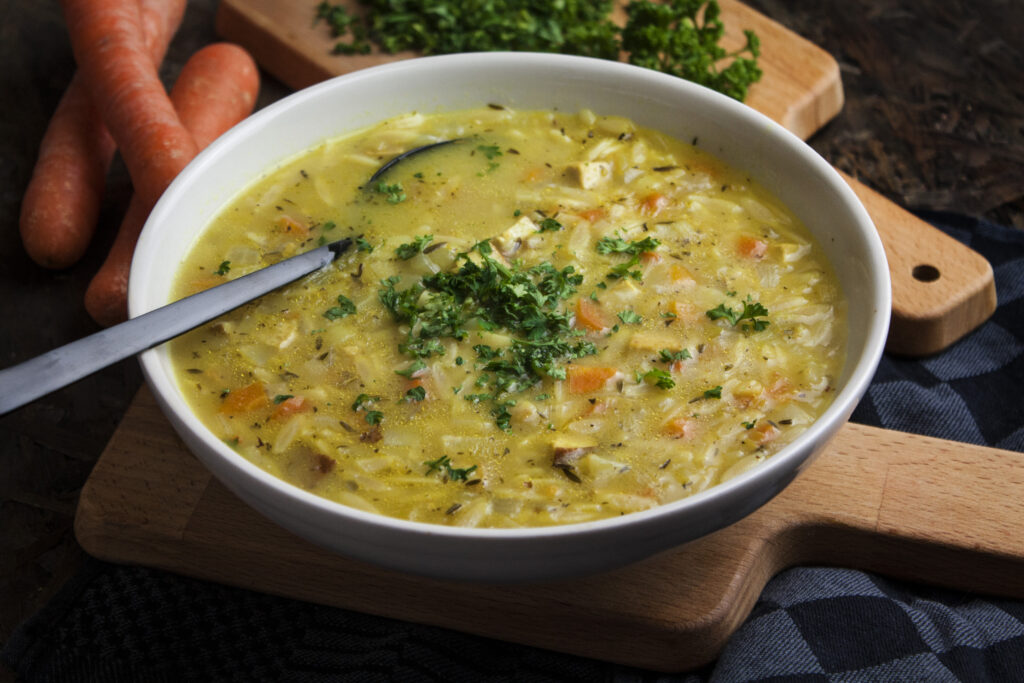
x: 557, y: 318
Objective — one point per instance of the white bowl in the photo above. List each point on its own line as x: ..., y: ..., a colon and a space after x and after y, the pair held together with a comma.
x: 734, y: 132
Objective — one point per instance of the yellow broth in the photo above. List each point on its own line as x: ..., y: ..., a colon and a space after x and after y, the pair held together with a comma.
x: 557, y: 318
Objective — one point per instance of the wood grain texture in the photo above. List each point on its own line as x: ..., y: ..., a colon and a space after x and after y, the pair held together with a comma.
x: 904, y: 505
x: 941, y: 289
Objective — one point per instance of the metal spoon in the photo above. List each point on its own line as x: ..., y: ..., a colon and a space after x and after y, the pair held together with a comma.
x: 24, y: 383
x: 43, y: 374
x: 405, y: 155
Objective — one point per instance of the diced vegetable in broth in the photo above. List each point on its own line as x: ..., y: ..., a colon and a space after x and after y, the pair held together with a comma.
x: 558, y: 318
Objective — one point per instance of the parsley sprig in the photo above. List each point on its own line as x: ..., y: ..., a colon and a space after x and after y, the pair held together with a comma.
x: 617, y: 245
x: 444, y: 464
x: 751, y: 312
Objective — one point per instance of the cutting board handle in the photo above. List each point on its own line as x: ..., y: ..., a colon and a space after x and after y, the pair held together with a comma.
x: 941, y: 289
x: 910, y: 506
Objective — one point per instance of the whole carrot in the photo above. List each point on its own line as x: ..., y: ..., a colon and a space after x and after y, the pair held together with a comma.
x: 106, y: 38
x: 217, y: 88
x: 62, y: 200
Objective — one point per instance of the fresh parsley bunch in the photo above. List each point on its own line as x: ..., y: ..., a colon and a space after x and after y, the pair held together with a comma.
x: 678, y: 37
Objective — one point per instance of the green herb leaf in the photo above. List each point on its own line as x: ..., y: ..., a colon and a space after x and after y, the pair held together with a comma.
x: 630, y: 317
x: 715, y: 392
x: 223, y: 268
x: 549, y: 225
x: 660, y: 378
x: 408, y: 250
x: 444, y: 464
x: 670, y: 356
x: 281, y: 398
x: 344, y: 308
x: 489, y: 151
x: 413, y: 368
x: 751, y: 312
x: 395, y: 193
x: 415, y: 394
x: 362, y: 400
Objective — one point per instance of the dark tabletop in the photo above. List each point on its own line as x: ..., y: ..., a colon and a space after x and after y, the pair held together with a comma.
x: 934, y: 119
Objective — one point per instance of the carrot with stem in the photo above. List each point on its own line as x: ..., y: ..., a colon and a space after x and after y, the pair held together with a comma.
x: 62, y: 200
x: 216, y: 89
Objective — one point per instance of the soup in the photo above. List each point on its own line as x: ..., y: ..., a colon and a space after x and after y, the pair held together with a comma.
x: 555, y: 318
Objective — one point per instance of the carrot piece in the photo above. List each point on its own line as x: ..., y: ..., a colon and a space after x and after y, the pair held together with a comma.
x: 681, y: 275
x: 292, y: 226
x: 751, y: 247
x: 649, y: 258
x: 290, y: 406
x: 590, y: 315
x: 653, y: 203
x: 106, y: 38
x: 584, y: 379
x: 534, y: 175
x: 216, y: 89
x: 62, y: 200
x: 593, y: 215
x: 245, y: 400
x: 763, y: 432
x: 680, y: 428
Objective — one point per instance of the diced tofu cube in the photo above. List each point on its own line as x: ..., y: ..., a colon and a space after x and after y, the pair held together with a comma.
x: 509, y: 241
x: 589, y: 174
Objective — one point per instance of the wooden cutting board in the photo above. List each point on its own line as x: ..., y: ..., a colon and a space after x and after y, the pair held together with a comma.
x: 906, y: 506
x: 941, y: 289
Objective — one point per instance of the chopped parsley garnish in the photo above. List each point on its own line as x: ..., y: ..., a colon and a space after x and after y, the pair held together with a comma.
x: 415, y: 367
x: 750, y: 425
x: 444, y: 464
x: 714, y: 392
x: 373, y: 417
x: 617, y: 245
x: 223, y: 268
x: 344, y: 308
x: 659, y: 378
x: 630, y: 317
x: 751, y: 311
x: 410, y: 249
x: 363, y: 245
x: 415, y: 394
x: 549, y: 225
x: 395, y: 192
x: 502, y: 417
x: 281, y: 398
x: 489, y: 151
x: 527, y: 302
x: 362, y: 400
x: 670, y: 356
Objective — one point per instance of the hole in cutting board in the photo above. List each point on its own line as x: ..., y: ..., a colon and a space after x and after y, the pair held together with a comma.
x: 926, y: 273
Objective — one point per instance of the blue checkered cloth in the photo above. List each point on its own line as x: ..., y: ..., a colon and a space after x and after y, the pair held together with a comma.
x: 114, y: 623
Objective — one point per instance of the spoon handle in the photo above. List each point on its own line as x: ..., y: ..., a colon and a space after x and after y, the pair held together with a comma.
x: 43, y: 374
